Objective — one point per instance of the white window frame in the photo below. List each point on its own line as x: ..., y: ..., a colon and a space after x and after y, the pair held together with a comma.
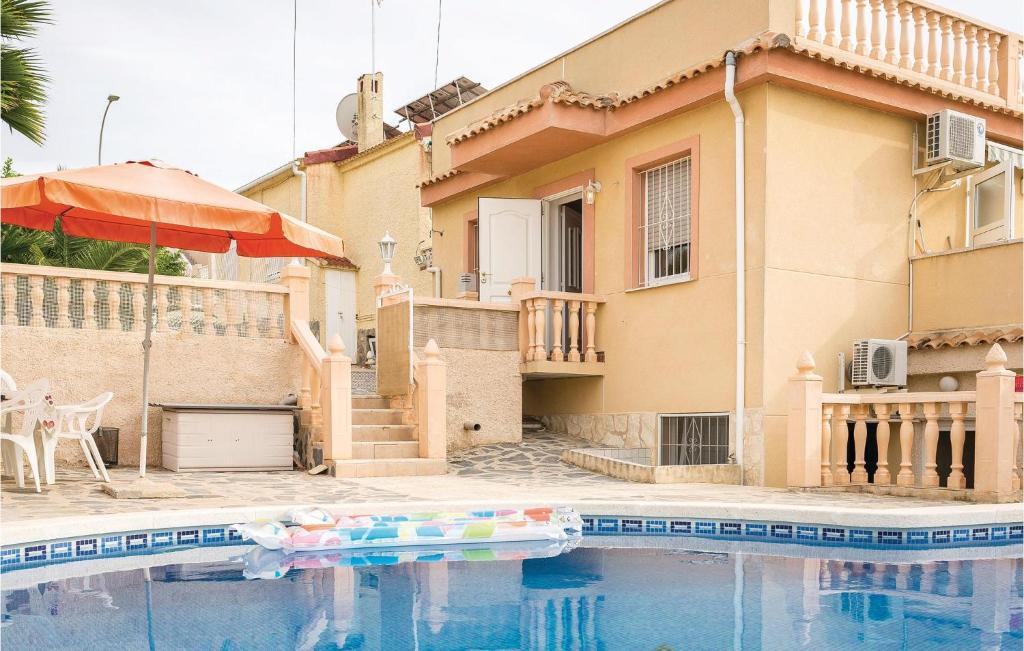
x: 1008, y: 202
x: 648, y: 255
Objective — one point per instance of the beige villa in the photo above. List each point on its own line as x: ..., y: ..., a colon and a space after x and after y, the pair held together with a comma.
x: 567, y: 249
x: 598, y: 193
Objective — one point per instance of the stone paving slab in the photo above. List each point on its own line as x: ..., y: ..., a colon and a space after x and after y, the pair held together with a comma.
x: 506, y: 473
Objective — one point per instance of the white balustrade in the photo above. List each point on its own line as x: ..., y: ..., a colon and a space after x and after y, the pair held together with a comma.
x: 920, y: 38
x: 66, y: 298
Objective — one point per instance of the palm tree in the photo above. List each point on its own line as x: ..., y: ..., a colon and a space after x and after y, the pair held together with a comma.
x: 22, y: 76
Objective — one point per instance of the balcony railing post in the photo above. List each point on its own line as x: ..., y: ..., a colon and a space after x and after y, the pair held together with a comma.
x: 840, y: 440
x: 591, y: 331
x: 931, y: 443
x: 957, y: 434
x: 803, y: 426
x: 906, y: 474
x: 882, y: 475
x: 540, y: 351
x: 826, y: 445
x: 995, y: 429
x: 574, y: 331
x: 1018, y: 416
x: 556, y: 330
x: 860, y: 439
x: 517, y: 290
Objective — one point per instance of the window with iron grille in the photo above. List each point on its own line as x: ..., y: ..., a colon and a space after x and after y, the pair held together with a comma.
x: 665, y: 228
x: 693, y: 439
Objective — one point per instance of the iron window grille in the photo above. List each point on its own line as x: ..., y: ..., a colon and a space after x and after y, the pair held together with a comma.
x: 693, y: 439
x: 665, y: 228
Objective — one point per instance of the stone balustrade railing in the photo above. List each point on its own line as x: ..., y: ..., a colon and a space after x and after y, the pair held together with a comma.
x: 572, y: 336
x: 919, y: 38
x: 61, y: 297
x: 820, y: 426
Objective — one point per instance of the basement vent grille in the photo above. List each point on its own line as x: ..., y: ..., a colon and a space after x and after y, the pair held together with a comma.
x: 694, y: 439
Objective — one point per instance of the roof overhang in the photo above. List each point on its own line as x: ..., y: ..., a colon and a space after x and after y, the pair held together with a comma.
x: 549, y: 132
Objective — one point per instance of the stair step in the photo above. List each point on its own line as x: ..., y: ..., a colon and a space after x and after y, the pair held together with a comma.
x: 385, y: 449
x: 383, y: 433
x: 370, y: 402
x: 388, y: 467
x: 363, y: 416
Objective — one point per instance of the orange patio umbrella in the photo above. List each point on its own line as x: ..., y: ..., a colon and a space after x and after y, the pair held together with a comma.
x: 150, y: 202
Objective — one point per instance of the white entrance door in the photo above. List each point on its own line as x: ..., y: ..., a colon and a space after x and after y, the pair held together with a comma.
x: 510, y: 245
x: 340, y: 307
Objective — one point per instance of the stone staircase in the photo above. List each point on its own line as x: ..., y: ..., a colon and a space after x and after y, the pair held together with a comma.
x: 385, y: 441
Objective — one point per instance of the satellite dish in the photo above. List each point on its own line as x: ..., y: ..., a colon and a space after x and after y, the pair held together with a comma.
x: 347, y: 116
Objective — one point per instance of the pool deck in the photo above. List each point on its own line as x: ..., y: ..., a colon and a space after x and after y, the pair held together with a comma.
x: 497, y: 475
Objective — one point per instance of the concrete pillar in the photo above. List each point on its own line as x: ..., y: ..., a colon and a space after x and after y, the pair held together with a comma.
x: 803, y: 426
x: 431, y: 402
x: 336, y: 401
x: 994, y: 428
x: 384, y: 282
x: 296, y: 302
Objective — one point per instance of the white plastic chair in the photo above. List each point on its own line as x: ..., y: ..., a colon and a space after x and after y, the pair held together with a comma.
x: 7, y: 388
x: 34, y: 403
x: 77, y: 422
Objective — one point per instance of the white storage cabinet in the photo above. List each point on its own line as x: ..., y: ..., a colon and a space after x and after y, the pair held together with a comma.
x: 227, y: 437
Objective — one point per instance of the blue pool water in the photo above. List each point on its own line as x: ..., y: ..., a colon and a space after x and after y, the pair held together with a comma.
x: 586, y: 598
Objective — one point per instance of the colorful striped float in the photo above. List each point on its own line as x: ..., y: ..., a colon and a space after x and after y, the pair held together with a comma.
x: 317, y: 530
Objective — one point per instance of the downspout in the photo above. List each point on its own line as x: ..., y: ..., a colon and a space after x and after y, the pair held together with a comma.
x: 301, y: 173
x: 741, y: 285
x: 436, y: 271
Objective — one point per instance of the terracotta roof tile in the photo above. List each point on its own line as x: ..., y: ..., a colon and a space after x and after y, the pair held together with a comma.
x: 440, y: 177
x: 965, y: 337
x: 559, y: 92
x: 341, y: 263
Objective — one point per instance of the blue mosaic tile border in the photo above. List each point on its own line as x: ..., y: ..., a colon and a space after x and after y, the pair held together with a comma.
x: 808, y: 534
x: 112, y: 545
x: 148, y: 542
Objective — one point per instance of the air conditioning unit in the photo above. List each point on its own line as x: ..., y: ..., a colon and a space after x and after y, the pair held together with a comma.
x: 879, y: 362
x: 957, y: 138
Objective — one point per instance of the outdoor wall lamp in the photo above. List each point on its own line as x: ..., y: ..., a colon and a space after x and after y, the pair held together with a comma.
x: 590, y: 192
x: 387, y: 250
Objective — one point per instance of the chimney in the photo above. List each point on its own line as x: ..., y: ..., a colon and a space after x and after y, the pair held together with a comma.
x: 371, y: 110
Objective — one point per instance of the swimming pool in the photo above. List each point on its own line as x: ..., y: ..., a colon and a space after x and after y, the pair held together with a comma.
x: 609, y: 593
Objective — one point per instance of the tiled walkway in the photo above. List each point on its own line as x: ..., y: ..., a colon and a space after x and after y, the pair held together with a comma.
x: 531, y: 472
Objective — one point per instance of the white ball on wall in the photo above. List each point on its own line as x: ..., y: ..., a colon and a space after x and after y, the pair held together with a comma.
x: 948, y: 383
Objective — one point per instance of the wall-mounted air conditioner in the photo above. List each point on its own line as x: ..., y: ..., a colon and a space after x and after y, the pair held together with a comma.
x: 879, y: 362
x: 956, y: 138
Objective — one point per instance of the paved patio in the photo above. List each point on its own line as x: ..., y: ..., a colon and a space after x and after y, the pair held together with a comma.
x: 529, y: 473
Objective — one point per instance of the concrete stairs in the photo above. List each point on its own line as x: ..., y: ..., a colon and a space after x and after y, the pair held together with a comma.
x: 384, y: 441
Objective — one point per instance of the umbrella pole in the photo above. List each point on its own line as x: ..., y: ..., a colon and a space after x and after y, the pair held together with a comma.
x: 147, y: 343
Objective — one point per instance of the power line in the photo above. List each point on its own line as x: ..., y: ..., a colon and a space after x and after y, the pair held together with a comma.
x: 295, y: 24
x: 437, y: 51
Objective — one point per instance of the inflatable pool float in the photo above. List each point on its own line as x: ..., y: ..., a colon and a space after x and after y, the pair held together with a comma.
x: 317, y: 530
x: 262, y: 563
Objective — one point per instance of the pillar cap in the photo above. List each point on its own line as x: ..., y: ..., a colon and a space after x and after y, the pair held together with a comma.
x: 995, y: 360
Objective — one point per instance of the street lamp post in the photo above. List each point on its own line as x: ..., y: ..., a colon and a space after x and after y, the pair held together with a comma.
x: 99, y: 154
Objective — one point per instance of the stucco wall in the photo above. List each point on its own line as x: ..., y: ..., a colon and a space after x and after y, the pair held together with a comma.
x: 190, y: 369
x: 483, y: 387
x: 670, y: 348
x: 946, y: 288
x: 656, y: 48
x: 358, y: 200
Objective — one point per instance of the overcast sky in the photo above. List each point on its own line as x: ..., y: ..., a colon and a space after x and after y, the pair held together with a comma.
x: 207, y: 84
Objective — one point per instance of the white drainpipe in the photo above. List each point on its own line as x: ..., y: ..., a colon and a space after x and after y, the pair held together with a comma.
x: 741, y: 288
x: 436, y: 271
x: 301, y: 173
